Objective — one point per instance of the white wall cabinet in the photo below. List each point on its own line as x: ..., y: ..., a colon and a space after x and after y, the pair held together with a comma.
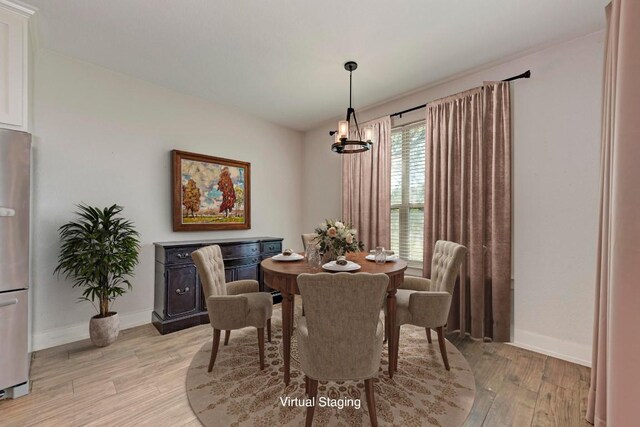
x: 14, y: 65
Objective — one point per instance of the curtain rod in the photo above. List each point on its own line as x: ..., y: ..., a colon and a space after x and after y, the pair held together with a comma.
x: 525, y: 75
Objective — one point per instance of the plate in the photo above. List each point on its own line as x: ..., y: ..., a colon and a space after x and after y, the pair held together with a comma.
x: 292, y: 257
x: 332, y: 266
x: 392, y: 258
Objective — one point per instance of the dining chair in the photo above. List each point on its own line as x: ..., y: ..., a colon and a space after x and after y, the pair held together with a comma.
x: 341, y: 340
x: 307, y: 239
x: 233, y: 305
x: 426, y: 302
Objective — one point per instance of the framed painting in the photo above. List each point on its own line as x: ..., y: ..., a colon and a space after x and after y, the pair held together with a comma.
x: 210, y: 193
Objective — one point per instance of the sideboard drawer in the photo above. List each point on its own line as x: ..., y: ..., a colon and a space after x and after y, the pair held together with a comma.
x: 240, y: 251
x: 180, y: 255
x: 237, y: 262
x: 271, y: 246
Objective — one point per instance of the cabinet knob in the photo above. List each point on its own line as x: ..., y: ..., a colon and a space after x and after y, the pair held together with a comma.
x: 183, y: 256
x: 254, y: 249
x: 179, y: 292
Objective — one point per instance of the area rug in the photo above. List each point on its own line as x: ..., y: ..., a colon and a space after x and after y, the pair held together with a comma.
x: 237, y: 393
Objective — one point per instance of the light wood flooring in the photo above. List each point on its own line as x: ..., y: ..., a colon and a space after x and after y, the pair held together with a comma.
x: 140, y: 380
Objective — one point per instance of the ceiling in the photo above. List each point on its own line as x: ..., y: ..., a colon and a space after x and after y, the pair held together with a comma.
x: 282, y: 60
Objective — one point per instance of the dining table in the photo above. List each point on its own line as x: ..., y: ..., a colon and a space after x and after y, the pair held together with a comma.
x: 282, y: 276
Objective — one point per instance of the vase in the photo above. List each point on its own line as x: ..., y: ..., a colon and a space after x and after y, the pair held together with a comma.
x: 104, y: 330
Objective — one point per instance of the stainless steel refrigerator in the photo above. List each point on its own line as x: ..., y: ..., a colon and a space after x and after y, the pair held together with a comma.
x: 15, y: 161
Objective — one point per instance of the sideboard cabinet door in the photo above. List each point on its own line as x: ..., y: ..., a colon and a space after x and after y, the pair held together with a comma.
x: 249, y: 272
x: 181, y: 290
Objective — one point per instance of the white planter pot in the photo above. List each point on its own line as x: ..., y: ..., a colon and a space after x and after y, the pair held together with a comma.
x: 104, y: 331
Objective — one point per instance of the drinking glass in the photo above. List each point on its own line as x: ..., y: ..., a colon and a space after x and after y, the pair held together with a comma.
x: 381, y: 255
x: 314, y: 259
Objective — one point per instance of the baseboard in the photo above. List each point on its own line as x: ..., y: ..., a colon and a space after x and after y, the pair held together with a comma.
x: 566, y: 350
x: 80, y: 331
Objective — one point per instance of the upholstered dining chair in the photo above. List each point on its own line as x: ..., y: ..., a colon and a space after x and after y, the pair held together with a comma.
x: 233, y: 305
x: 341, y: 340
x: 307, y: 239
x: 426, y: 302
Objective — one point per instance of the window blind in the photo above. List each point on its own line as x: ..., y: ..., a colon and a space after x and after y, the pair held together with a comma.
x: 407, y: 191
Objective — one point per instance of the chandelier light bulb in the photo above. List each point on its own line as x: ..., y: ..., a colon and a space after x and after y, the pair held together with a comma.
x: 343, y: 129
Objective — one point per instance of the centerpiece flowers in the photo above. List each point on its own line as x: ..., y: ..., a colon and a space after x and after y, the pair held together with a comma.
x: 335, y: 238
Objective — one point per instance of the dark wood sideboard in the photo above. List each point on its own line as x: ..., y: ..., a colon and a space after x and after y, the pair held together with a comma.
x: 178, y: 299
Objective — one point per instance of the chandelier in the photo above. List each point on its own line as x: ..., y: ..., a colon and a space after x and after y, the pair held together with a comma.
x: 342, y: 144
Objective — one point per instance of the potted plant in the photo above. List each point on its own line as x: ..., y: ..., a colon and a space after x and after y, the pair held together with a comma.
x: 99, y: 252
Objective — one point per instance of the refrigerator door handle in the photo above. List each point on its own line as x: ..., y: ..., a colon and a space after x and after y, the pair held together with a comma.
x: 8, y: 302
x: 7, y: 212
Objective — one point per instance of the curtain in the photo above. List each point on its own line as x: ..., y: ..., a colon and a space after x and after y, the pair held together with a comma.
x: 468, y: 200
x: 615, y: 375
x: 366, y: 187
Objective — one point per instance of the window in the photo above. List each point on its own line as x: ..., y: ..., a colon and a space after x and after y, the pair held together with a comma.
x: 407, y: 192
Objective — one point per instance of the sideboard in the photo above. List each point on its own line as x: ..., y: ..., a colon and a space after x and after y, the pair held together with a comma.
x: 178, y: 299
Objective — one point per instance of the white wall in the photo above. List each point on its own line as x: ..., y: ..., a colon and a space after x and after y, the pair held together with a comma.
x: 322, y: 179
x: 556, y: 140
x: 103, y: 138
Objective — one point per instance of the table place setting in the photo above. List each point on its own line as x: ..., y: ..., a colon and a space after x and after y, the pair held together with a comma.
x: 341, y: 264
x: 288, y: 255
x: 380, y: 255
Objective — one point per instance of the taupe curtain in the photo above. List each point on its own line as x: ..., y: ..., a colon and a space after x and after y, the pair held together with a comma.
x: 615, y: 373
x: 468, y: 200
x: 366, y: 187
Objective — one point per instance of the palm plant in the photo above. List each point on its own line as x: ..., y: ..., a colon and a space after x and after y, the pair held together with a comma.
x: 99, y: 252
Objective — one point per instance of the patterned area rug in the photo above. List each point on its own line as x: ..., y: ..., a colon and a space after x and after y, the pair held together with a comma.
x: 237, y: 393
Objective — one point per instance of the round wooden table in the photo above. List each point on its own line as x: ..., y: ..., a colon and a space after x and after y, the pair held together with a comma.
x: 282, y: 276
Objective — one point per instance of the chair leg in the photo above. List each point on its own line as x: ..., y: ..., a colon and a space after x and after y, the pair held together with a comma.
x: 269, y: 330
x: 306, y: 385
x: 443, y: 347
x: 261, y: 346
x: 371, y: 401
x: 227, y: 334
x: 214, y: 348
x: 386, y: 329
x: 313, y: 392
x: 428, y: 334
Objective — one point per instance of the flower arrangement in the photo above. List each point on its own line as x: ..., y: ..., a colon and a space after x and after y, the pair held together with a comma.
x: 337, y: 238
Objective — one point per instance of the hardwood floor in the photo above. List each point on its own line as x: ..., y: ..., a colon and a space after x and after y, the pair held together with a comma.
x: 140, y: 380
x: 516, y: 387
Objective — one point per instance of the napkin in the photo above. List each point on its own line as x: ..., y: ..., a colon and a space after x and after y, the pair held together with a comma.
x: 341, y: 260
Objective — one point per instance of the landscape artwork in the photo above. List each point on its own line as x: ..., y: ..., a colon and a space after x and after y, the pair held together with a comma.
x: 210, y: 193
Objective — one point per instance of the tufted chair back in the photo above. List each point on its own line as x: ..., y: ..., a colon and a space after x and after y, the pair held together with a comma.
x: 208, y: 261
x: 308, y: 239
x: 445, y: 265
x: 344, y: 338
